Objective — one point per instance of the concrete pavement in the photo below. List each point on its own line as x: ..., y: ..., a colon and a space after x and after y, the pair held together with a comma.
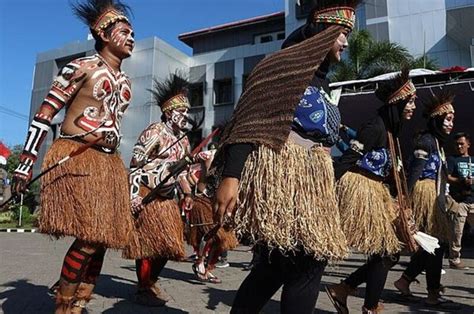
x: 31, y: 262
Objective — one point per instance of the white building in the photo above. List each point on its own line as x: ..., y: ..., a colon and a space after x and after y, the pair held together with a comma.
x: 224, y: 55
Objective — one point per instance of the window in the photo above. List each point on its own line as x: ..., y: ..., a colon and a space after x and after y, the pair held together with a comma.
x: 266, y: 39
x: 379, y: 31
x: 196, y: 94
x: 223, y: 91
x: 280, y: 36
x: 375, y: 8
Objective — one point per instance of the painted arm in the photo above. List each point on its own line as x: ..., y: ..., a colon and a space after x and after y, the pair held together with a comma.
x: 148, y: 142
x: 65, y: 86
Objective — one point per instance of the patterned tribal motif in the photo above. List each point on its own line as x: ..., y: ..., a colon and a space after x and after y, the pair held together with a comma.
x: 178, y: 101
x: 75, y: 263
x: 109, y: 17
x: 94, y: 267
x: 113, y: 91
x: 404, y: 92
x: 344, y: 16
x: 442, y: 109
x: 151, y: 143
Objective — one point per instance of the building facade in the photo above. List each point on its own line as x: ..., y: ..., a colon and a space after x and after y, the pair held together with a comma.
x: 223, y: 56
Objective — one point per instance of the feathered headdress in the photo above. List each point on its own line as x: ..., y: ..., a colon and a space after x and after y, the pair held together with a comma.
x: 100, y: 14
x: 397, y: 89
x: 439, y: 104
x: 172, y: 93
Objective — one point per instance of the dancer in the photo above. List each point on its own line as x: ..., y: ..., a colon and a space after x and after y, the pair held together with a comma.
x: 85, y: 196
x: 201, y: 224
x: 158, y: 235
x: 366, y: 206
x: 427, y: 183
x: 273, y: 163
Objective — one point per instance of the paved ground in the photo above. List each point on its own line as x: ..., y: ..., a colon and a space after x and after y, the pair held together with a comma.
x: 29, y: 263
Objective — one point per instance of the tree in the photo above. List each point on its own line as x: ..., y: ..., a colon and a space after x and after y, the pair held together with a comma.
x: 12, y: 163
x: 14, y: 159
x: 367, y: 58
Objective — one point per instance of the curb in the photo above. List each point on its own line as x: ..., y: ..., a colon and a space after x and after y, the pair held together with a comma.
x: 19, y: 230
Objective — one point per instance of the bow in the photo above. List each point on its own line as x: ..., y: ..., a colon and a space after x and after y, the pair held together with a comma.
x: 74, y: 153
x: 405, y: 224
x: 177, y: 168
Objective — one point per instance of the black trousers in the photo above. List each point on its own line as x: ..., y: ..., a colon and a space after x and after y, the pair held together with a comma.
x: 298, y: 273
x: 431, y: 263
x: 374, y: 272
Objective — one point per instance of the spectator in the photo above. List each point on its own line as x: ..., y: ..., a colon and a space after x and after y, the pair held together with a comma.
x: 460, y: 178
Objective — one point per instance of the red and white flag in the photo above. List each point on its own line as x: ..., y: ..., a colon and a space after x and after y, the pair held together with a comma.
x: 4, y: 153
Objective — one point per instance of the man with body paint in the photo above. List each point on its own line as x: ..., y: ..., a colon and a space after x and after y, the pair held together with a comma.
x: 86, y: 197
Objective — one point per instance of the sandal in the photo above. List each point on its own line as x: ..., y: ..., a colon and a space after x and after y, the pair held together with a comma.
x: 340, y: 306
x: 211, y: 278
x: 205, y: 277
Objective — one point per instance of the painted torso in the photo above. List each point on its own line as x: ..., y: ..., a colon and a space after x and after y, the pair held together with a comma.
x: 150, y: 151
x: 98, y: 105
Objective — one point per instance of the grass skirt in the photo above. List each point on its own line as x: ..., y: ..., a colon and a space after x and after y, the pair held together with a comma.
x: 86, y: 197
x: 367, y: 215
x: 158, y: 232
x: 428, y: 217
x: 202, y: 213
x: 287, y: 201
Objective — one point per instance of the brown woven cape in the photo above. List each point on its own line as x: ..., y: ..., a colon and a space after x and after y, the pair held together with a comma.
x: 265, y: 110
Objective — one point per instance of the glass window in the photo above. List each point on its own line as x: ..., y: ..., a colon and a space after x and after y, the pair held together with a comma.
x: 223, y: 91
x: 196, y: 94
x: 266, y: 39
x: 375, y: 8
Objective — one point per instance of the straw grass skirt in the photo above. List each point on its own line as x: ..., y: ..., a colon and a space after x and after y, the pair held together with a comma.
x: 367, y: 215
x: 86, y: 197
x: 287, y: 201
x: 428, y: 217
x: 159, y: 231
x: 202, y: 214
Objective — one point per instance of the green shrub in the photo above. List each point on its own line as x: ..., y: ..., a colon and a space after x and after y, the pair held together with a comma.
x: 6, y: 217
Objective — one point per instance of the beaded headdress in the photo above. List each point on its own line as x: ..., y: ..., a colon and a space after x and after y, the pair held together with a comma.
x: 171, y: 93
x: 344, y: 16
